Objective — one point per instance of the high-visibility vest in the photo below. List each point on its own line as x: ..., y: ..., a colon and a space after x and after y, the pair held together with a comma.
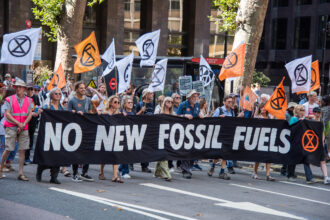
x: 20, y: 114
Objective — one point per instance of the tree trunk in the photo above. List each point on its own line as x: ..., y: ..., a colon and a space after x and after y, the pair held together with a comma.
x: 250, y: 19
x: 69, y: 33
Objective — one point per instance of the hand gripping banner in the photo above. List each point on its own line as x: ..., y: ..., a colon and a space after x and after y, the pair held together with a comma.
x: 69, y: 138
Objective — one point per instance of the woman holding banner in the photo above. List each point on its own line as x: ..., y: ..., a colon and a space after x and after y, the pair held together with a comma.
x: 262, y: 113
x: 162, y: 170
x: 112, y: 107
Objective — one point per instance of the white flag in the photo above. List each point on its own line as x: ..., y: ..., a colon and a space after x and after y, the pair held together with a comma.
x: 148, y: 45
x: 300, y: 73
x: 19, y: 47
x: 158, y: 76
x: 124, y: 67
x: 205, y: 72
x: 109, y: 56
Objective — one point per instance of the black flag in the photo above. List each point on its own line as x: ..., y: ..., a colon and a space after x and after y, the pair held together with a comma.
x: 111, y: 82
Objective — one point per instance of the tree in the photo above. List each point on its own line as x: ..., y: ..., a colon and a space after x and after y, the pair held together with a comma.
x: 249, y: 22
x: 62, y: 22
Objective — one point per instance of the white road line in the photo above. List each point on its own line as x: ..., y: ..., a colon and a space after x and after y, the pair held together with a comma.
x: 281, y: 194
x: 247, y: 206
x: 123, y: 205
x: 312, y: 187
x: 183, y: 192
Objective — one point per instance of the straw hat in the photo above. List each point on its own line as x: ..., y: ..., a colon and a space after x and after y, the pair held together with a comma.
x: 20, y: 83
x: 191, y: 93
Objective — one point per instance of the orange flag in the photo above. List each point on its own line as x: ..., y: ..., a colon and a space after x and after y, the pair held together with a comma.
x: 277, y: 104
x: 88, y: 56
x: 234, y: 64
x: 315, y: 77
x: 58, y: 79
x: 248, y: 99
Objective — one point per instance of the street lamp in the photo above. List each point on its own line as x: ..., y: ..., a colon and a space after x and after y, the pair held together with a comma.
x: 326, y: 31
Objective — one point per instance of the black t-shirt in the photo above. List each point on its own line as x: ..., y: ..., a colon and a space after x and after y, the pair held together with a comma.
x: 36, y: 102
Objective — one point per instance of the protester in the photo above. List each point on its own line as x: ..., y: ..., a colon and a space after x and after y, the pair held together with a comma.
x: 127, y: 109
x: 33, y: 122
x: 112, y: 107
x: 189, y: 109
x: 100, y: 96
x: 310, y: 105
x: 65, y: 103
x: 325, y: 110
x: 54, y: 104
x: 204, y: 107
x: 299, y: 114
x: 160, y: 100
x: 224, y: 111
x: 18, y: 113
x: 7, y: 81
x: 80, y: 104
x: 262, y: 113
x: 146, y: 107
x: 289, y: 111
x: 176, y: 101
x: 162, y: 170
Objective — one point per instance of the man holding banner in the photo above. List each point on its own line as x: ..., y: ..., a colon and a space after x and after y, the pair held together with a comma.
x: 189, y: 109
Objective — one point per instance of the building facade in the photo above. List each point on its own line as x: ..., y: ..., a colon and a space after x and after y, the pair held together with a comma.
x: 292, y: 29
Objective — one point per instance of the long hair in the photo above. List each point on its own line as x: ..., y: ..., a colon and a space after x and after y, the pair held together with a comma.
x: 163, y: 106
x: 124, y: 100
x: 107, y: 105
x: 262, y: 105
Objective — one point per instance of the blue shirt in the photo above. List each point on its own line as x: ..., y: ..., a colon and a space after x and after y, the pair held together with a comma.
x: 229, y: 113
x: 185, y: 108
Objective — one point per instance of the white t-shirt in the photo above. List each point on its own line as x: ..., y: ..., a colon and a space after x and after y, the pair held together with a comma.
x: 309, y: 108
x: 102, y: 104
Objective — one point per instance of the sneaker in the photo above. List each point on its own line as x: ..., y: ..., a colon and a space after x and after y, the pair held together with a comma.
x: 126, y: 176
x: 85, y: 177
x: 255, y: 176
x: 186, y: 175
x: 326, y: 180
x: 311, y: 181
x: 172, y: 170
x: 292, y: 179
x: 211, y: 171
x: 224, y: 176
x: 76, y: 179
x: 231, y: 170
x: 27, y: 162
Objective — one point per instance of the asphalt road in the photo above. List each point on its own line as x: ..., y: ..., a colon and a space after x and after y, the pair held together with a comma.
x: 146, y: 197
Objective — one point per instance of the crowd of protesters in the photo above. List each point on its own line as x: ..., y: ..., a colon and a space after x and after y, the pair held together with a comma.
x: 22, y: 104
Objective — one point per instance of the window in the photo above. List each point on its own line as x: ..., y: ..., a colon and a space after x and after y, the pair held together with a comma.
x: 279, y: 30
x: 302, y: 32
x: 321, y: 24
x: 304, y: 2
x: 127, y: 5
x: 280, y: 3
x: 174, y: 4
x: 131, y: 25
x: 324, y: 1
x: 262, y: 40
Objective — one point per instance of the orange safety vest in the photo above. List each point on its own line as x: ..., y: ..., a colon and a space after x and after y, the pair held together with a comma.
x: 20, y: 114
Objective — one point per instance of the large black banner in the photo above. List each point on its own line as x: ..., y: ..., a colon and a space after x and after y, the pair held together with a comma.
x: 66, y: 138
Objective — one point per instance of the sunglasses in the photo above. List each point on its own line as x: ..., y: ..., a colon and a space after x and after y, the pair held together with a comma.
x: 129, y: 102
x: 37, y: 90
x: 57, y: 93
x: 177, y: 97
x: 30, y: 89
x: 115, y: 102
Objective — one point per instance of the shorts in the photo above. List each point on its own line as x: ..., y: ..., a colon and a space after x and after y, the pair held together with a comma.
x: 22, y: 139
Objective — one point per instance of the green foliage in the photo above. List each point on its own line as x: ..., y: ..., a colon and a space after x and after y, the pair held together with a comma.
x: 41, y: 74
x: 260, y: 78
x: 228, y: 11
x: 49, y: 12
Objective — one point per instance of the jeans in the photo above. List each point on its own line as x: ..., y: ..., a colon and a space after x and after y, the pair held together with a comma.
x: 308, y: 172
x: 124, y: 169
x: 230, y: 163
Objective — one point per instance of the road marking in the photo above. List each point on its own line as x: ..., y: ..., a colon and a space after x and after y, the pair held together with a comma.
x: 183, y: 192
x: 247, y: 206
x: 312, y: 187
x: 123, y: 205
x: 281, y: 194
